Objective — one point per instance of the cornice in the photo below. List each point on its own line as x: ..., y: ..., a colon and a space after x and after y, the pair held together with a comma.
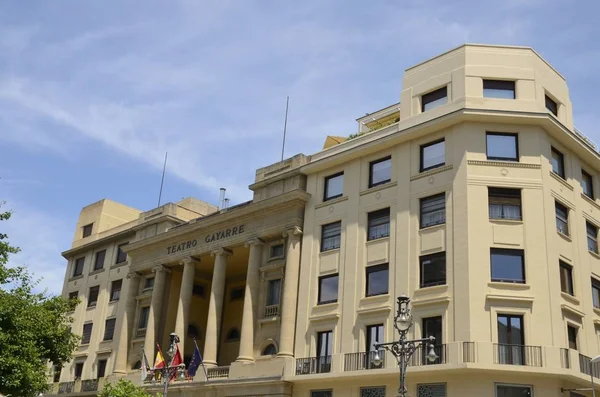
x: 504, y: 164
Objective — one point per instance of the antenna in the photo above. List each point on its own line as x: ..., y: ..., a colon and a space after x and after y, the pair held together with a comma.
x: 162, y: 180
x: 287, y: 103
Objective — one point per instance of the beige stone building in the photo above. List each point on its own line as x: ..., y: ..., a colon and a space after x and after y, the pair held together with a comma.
x: 475, y: 196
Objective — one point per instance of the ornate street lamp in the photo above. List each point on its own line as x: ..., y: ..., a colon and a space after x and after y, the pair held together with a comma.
x: 167, y: 371
x: 403, y: 349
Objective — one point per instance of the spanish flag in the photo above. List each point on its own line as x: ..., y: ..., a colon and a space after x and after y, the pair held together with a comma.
x: 160, y: 361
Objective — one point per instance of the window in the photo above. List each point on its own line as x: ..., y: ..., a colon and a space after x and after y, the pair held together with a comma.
x: 508, y: 265
x: 502, y: 146
x: 334, y: 186
x: 572, y: 336
x: 378, y: 391
x: 57, y: 371
x: 273, y: 292
x: 87, y: 333
x: 148, y: 283
x: 592, y: 237
x: 433, y: 155
x: 434, y: 99
x: 193, y: 331
x: 233, y: 335
x: 433, y: 210
x: 121, y: 255
x: 78, y: 370
x: 109, y: 329
x: 558, y: 163
x: 433, y: 269
x: 331, y: 236
x: 93, y: 296
x: 144, y: 314
x: 378, y: 224
x: 270, y: 350
x: 566, y: 277
x: 562, y: 219
x: 78, y: 267
x: 73, y: 295
x: 198, y: 290
x: 596, y: 293
x: 432, y: 390
x: 324, y: 343
x: 499, y: 89
x: 513, y: 391
x: 432, y: 326
x: 377, y: 280
x: 374, y: 336
x: 115, y: 290
x: 587, y: 185
x: 504, y: 203
x: 237, y: 294
x: 510, y: 339
x: 101, y: 369
x: 87, y: 230
x: 99, y: 262
x: 276, y: 251
x: 328, y: 289
x: 321, y: 393
x: 551, y: 105
x: 380, y: 171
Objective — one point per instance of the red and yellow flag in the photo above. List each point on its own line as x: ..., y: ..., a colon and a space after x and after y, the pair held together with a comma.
x: 160, y: 361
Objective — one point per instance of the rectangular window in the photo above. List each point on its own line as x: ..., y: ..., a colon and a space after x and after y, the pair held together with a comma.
x: 434, y: 99
x: 93, y: 296
x: 551, y: 105
x: 572, y: 335
x: 378, y: 224
x: 558, y: 163
x: 377, y: 279
x: 273, y: 292
x: 109, y: 329
x: 502, y: 146
x: 508, y: 265
x: 276, y: 251
x: 321, y: 393
x: 324, y: 343
x: 148, y: 283
x: 566, y: 277
x: 78, y: 370
x: 433, y: 210
x: 237, y: 294
x: 374, y: 336
x: 57, y: 371
x: 101, y: 369
x: 378, y: 391
x: 433, y: 390
x: 334, y: 186
x: 510, y: 339
x: 121, y: 255
x: 587, y: 185
x: 433, y: 269
x: 513, y: 391
x: 198, y: 290
x: 87, y: 230
x: 504, y: 203
x: 328, y: 289
x: 596, y: 293
x: 78, y: 267
x: 331, y: 236
x: 87, y: 333
x: 143, y: 320
x: 99, y: 261
x: 432, y: 326
x: 562, y: 219
x: 433, y: 155
x: 115, y: 290
x: 501, y: 89
x: 380, y: 171
x: 73, y: 295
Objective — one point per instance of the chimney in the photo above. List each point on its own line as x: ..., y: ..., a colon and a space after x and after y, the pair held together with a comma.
x: 221, y: 198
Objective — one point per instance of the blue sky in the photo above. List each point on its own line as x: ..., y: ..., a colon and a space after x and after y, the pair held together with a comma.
x: 92, y: 94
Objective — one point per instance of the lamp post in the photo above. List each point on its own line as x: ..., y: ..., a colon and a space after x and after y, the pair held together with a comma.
x: 403, y: 349
x: 167, y: 371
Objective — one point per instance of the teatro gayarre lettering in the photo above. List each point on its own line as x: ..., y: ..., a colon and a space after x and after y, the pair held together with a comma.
x: 233, y: 231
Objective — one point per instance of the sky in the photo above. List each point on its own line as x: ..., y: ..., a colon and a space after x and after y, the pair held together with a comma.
x: 92, y: 94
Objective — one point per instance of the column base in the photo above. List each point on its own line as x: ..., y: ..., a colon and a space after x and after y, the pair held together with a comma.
x: 285, y: 354
x: 245, y: 359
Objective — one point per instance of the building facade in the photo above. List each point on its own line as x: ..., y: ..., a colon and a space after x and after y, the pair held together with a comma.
x: 475, y: 196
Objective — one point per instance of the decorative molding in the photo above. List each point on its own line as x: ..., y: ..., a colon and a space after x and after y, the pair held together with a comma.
x: 510, y: 298
x: 331, y: 202
x: 572, y: 310
x: 374, y: 310
x: 570, y: 298
x: 221, y: 251
x: 442, y: 300
x: 562, y: 200
x: 509, y: 286
x: 561, y: 180
x: 433, y: 171
x: 591, y: 201
x: 187, y: 260
x: 378, y: 188
x: 255, y: 241
x: 508, y: 164
x: 325, y: 317
x: 159, y: 269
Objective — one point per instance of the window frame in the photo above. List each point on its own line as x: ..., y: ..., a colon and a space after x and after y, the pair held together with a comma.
x: 510, y: 252
x: 547, y: 99
x: 530, y: 387
x: 96, y: 257
x: 328, y: 343
x: 319, y: 289
x: 94, y: 303
x: 500, y: 83
x: 119, y: 252
x: 429, y: 198
x: 236, y: 295
x: 569, y: 335
x: 375, y: 162
x: 273, y: 247
x: 86, y: 230
x: 561, y: 171
x: 585, y: 175
x: 595, y: 284
x: 326, y: 186
x: 143, y: 309
x: 375, y: 269
x: 433, y: 94
x: 233, y: 335
x: 269, y: 293
x: 146, y: 282
x: 500, y: 196
x: 323, y: 227
x: 78, y: 368
x: 422, y: 152
x: 112, y: 335
x: 118, y: 282
x: 76, y: 263
x: 514, y: 135
x: 101, y: 373
x: 566, y: 278
x: 83, y: 333
x: 559, y: 207
x: 377, y: 215
x: 433, y: 256
x: 379, y: 331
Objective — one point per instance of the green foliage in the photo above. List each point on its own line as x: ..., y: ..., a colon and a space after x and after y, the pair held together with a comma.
x: 34, y: 328
x: 123, y: 388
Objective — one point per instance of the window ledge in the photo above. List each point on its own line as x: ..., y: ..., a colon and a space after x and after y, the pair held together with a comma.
x: 506, y: 221
x: 96, y: 271
x: 509, y: 286
x: 120, y: 264
x: 76, y: 277
x: 430, y: 172
x: 331, y: 202
x: 570, y: 298
x: 510, y: 298
x: 270, y: 320
x: 377, y: 240
x: 378, y: 188
x: 433, y: 227
x: 328, y: 252
x: 113, y: 301
x: 432, y: 290
x: 91, y: 307
x: 370, y: 300
x: 597, y: 311
x: 560, y: 179
x: 572, y: 310
x: 275, y: 258
x: 594, y: 254
x: 564, y: 236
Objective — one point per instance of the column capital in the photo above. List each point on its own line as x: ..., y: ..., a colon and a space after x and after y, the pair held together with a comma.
x: 253, y: 241
x: 159, y: 269
x: 185, y: 261
x: 133, y: 275
x: 221, y: 252
x: 293, y: 232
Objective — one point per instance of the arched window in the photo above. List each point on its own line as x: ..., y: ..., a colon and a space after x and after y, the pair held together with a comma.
x: 137, y: 365
x: 269, y: 350
x: 233, y: 335
x: 193, y: 331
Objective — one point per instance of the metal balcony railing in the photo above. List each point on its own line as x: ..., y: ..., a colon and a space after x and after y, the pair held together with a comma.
x: 468, y: 353
x: 89, y: 385
x: 217, y: 372
x: 363, y: 360
x: 66, y: 387
x: 518, y: 355
x: 271, y: 311
x: 313, y: 365
x: 586, y: 367
x: 565, y: 361
x: 419, y: 357
x: 140, y: 333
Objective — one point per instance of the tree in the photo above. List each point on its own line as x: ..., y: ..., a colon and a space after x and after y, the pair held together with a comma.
x: 123, y: 388
x: 34, y: 328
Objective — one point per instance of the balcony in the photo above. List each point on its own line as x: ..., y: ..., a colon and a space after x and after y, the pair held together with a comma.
x: 586, y: 367
x: 271, y: 311
x: 364, y: 360
x: 89, y: 385
x: 419, y: 357
x: 518, y: 355
x: 313, y: 365
x: 140, y: 333
x: 66, y: 387
x: 217, y: 372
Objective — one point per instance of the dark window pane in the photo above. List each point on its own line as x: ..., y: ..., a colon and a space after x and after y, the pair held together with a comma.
x: 431, y: 390
x: 78, y: 370
x: 148, y: 282
x: 237, y: 294
x: 198, y: 290
x: 193, y: 331
x: 93, y: 296
x: 270, y: 350
x: 330, y: 236
x: 277, y: 251
x: 115, y: 293
x: 121, y: 255
x: 380, y: 172
x: 551, y: 105
x: 434, y: 99
x: 507, y: 265
x: 334, y: 186
x: 499, y: 89
x: 328, y: 289
x: 378, y: 224
x: 433, y: 155
x: 502, y: 146
x: 432, y: 326
x: 504, y: 203
x: 324, y: 343
x: 78, y: 267
x: 321, y: 393
x: 592, y: 237
x: 73, y: 295
x: 101, y: 368
x: 596, y: 293
x: 87, y: 333
x: 377, y: 280
x: 273, y: 292
x: 433, y: 269
x: 109, y: 329
x: 233, y: 335
x: 99, y: 261
x: 87, y: 230
x: 566, y: 278
x: 433, y: 210
x: 374, y: 336
x: 558, y: 163
x: 572, y: 335
x: 562, y: 219
x: 143, y: 320
x: 587, y: 184
x: 513, y: 391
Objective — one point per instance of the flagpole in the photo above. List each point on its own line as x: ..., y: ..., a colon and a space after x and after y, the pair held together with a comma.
x: 201, y: 361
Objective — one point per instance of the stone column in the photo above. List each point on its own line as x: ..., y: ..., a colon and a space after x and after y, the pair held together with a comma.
x: 250, y: 301
x: 215, y: 306
x: 185, y: 297
x: 156, y: 304
x: 290, y: 292
x: 126, y: 319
